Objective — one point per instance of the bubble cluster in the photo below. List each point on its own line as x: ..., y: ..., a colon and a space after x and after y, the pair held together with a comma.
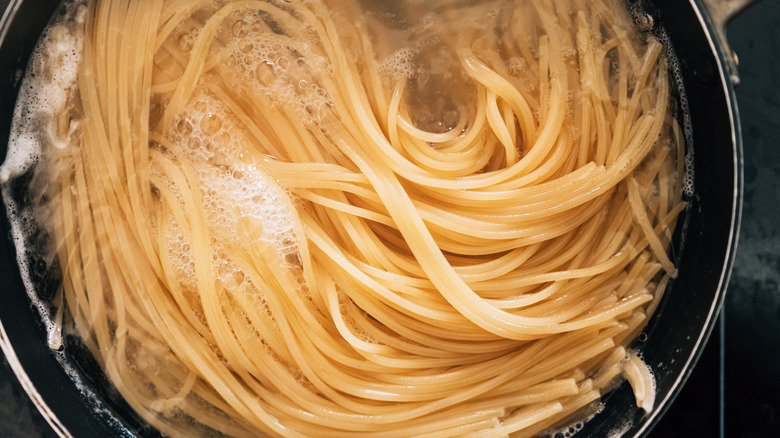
x: 244, y: 209
x: 51, y: 78
x: 180, y: 256
x: 186, y: 40
x: 204, y: 131
x: 684, y: 110
x: 243, y: 206
x: 49, y: 81
x: 281, y: 69
x: 399, y: 65
x: 688, y: 180
x: 570, y: 431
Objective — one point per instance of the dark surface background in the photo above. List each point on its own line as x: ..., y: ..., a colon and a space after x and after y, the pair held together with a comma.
x: 734, y: 390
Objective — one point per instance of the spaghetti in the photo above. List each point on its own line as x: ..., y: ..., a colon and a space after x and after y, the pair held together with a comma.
x: 308, y: 219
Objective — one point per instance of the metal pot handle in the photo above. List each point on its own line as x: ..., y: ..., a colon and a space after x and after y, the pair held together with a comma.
x: 720, y: 13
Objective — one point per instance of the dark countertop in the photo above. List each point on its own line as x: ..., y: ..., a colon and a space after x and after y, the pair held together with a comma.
x: 735, y: 389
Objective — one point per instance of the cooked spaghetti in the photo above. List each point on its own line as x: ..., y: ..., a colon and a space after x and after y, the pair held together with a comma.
x: 308, y: 218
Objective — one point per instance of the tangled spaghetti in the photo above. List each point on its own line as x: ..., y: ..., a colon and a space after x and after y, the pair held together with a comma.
x: 308, y: 219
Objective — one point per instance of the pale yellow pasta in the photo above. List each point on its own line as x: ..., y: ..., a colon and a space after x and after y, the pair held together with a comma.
x: 294, y: 219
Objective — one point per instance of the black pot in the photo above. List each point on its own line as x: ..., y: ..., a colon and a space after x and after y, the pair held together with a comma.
x: 76, y: 403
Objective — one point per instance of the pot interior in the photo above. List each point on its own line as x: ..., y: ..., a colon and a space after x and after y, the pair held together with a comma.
x: 78, y: 401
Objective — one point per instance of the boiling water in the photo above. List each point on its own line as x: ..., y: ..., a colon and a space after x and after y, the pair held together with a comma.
x: 240, y: 197
x: 38, y: 124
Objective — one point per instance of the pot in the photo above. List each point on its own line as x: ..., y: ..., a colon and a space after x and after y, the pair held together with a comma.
x: 67, y: 386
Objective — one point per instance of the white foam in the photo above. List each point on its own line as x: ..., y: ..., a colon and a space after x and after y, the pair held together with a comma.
x: 243, y: 204
x: 400, y: 64
x: 51, y: 76
x: 271, y: 66
x: 59, y: 51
